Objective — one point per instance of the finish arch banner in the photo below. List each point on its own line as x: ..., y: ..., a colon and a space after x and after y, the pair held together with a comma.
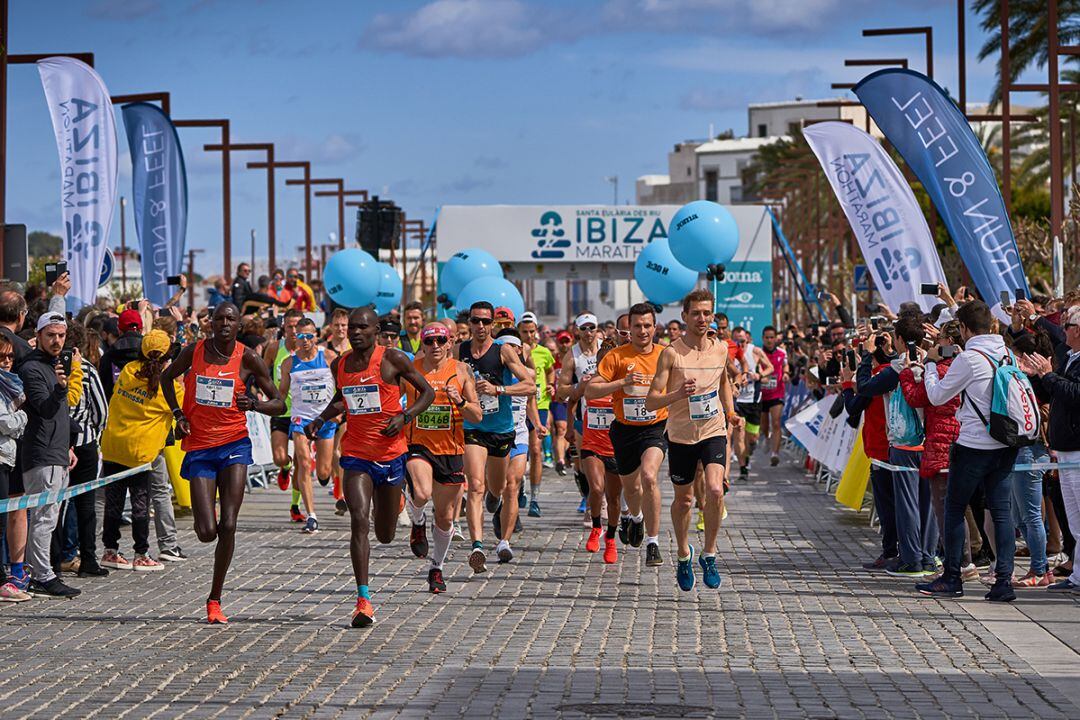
x: 884, y: 215
x: 936, y: 141
x: 85, y: 128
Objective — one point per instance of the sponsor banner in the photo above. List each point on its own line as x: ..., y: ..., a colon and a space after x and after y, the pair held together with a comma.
x: 882, y: 211
x: 745, y: 295
x: 828, y: 440
x: 937, y: 142
x: 85, y: 129
x: 159, y: 196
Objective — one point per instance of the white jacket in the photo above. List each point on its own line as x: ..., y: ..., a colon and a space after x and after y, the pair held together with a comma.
x: 971, y: 373
x: 12, y: 425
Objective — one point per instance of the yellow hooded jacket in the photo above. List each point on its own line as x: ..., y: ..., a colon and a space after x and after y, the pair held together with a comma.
x: 138, y: 424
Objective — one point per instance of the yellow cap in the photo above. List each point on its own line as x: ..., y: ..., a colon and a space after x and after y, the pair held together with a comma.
x: 155, y: 341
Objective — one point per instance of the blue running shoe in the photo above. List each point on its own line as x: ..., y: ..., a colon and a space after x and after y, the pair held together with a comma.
x: 584, y: 504
x: 534, y: 509
x: 523, y: 501
x: 710, y: 575
x: 684, y: 573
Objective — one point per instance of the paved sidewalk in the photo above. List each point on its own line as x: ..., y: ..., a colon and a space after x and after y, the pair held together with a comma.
x: 795, y: 630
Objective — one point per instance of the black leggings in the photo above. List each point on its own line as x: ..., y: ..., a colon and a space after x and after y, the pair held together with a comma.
x: 139, y: 487
x: 1052, y: 490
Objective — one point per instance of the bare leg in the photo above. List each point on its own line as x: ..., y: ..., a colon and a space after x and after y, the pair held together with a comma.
x: 650, y: 489
x: 387, y: 507
x: 774, y: 436
x: 302, y: 471
x: 279, y: 445
x: 358, y: 489
x: 475, y: 462
x: 496, y: 475
x: 632, y: 491
x: 16, y: 535
x: 714, y: 504
x: 447, y: 500
x: 558, y: 442
x: 422, y: 482
x: 613, y: 489
x: 324, y: 458
x: 229, y: 486
x: 681, y: 505
x: 594, y: 471
x: 515, y: 475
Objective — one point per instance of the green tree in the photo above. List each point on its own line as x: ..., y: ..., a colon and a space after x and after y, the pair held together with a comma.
x: 43, y: 244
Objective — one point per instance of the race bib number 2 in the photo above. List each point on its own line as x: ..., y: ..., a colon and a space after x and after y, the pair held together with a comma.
x: 634, y: 410
x: 214, y: 392
x: 362, y: 399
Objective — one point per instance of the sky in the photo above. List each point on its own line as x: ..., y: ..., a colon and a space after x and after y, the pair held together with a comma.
x: 433, y: 102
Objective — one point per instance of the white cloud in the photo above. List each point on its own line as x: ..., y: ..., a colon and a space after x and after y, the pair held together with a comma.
x: 766, y: 17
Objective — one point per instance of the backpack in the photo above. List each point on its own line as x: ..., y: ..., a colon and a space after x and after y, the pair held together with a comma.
x: 902, y: 423
x: 1014, y: 410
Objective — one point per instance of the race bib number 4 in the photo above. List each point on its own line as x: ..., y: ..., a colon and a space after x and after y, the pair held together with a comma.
x: 705, y: 406
x: 634, y: 410
x: 362, y: 399
x: 599, y: 418
x: 489, y: 404
x: 436, y: 417
x: 213, y: 391
x: 315, y: 394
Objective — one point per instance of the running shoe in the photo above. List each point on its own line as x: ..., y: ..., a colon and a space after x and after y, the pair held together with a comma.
x: 364, y: 614
x: 478, y: 560
x: 21, y: 582
x: 523, y: 502
x: 504, y: 552
x: 340, y: 507
x: 456, y: 529
x: 1065, y: 585
x: 624, y: 529
x: 517, y: 524
x: 534, y: 509
x: 583, y: 505
x: 942, y: 587
x: 878, y: 564
x: 90, y: 568
x: 774, y: 460
x: 1031, y: 580
x: 145, y: 563
x: 744, y: 472
x: 593, y: 543
x: 435, y: 581
x: 560, y: 469
x: 496, y: 523
x: 700, y: 525
x: 548, y: 462
x: 10, y: 593
x: 324, y: 481
x: 284, y: 478
x: 173, y: 555
x: 684, y: 573
x: 611, y: 551
x: 491, y: 503
x: 636, y: 532
x: 295, y: 515
x: 652, y: 555
x: 710, y: 575
x: 52, y: 589
x: 311, y: 526
x: 71, y: 567
x: 1002, y: 591
x: 418, y: 540
x: 114, y: 560
x: 908, y: 571
x: 983, y: 559
x: 969, y: 573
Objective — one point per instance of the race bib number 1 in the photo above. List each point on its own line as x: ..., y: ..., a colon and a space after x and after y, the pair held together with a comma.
x: 362, y: 399
x: 214, y: 392
x: 634, y: 410
x: 489, y: 404
x: 705, y: 406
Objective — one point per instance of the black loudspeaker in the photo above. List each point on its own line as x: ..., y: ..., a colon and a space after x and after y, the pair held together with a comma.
x: 378, y: 225
x: 16, y: 263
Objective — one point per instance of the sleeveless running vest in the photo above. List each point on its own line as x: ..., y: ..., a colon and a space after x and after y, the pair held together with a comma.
x: 518, y: 404
x: 772, y: 387
x: 584, y: 365
x: 498, y: 410
x: 439, y: 428
x: 210, y: 393
x: 599, y: 412
x: 369, y: 404
x: 700, y: 416
x: 311, y: 385
x: 751, y: 390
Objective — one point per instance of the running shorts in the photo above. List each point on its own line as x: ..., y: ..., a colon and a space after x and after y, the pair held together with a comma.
x: 631, y: 441
x: 519, y: 449
x: 280, y: 423
x: 497, y: 444
x: 387, y: 473
x: 683, y: 459
x: 208, y: 462
x: 445, y: 469
x: 766, y: 404
x: 558, y: 411
x: 751, y: 412
x: 326, y: 432
x: 609, y: 462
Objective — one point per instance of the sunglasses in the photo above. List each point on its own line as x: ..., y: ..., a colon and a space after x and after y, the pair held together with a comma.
x: 305, y: 336
x: 587, y: 328
x: 480, y: 321
x: 437, y: 340
x: 623, y: 333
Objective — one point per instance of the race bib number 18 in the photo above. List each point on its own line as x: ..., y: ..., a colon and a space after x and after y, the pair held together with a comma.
x: 214, y: 392
x: 634, y: 410
x: 362, y: 399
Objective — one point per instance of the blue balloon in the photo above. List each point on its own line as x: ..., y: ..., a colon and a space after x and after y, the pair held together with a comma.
x: 498, y: 291
x: 389, y: 295
x: 660, y: 276
x: 464, y: 267
x: 703, y: 233
x: 352, y: 278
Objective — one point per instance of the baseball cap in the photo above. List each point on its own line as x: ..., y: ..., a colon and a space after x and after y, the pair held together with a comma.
x: 50, y: 318
x: 563, y: 335
x: 586, y: 319
x: 504, y: 313
x: 155, y: 341
x: 529, y: 316
x: 434, y: 330
x: 129, y: 320
x: 389, y: 325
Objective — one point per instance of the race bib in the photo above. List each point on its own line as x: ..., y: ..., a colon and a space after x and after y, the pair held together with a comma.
x: 315, y: 394
x: 769, y: 383
x: 599, y: 418
x: 705, y: 406
x: 489, y: 404
x: 214, y: 391
x: 362, y: 399
x: 436, y: 417
x: 634, y: 410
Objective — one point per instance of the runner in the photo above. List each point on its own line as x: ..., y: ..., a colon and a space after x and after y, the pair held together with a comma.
x: 488, y: 442
x: 374, y: 448
x: 637, y: 434
x: 544, y: 364
x: 218, y: 373
x: 274, y: 355
x: 436, y: 447
x: 578, y: 367
x: 563, y: 343
x: 753, y: 367
x: 692, y: 383
x: 772, y: 392
x: 308, y: 370
x: 339, y: 332
x: 598, y: 459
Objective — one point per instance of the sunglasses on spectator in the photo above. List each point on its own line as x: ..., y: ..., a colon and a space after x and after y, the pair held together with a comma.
x: 437, y: 340
x: 480, y: 321
x: 305, y: 336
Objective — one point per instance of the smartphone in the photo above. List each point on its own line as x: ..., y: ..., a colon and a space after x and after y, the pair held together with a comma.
x: 948, y: 351
x: 830, y: 380
x: 1021, y: 294
x: 1006, y: 301
x: 851, y: 360
x: 65, y: 359
x: 173, y: 280
x: 912, y: 351
x: 929, y: 289
x: 876, y: 321
x: 873, y: 308
x: 53, y: 271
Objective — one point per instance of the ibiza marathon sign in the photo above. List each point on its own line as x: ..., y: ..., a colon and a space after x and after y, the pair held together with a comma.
x: 597, y: 233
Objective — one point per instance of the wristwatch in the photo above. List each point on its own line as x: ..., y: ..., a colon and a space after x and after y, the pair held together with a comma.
x: 1033, y: 317
x: 461, y: 404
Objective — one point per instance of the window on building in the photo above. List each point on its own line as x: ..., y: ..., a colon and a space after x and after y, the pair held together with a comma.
x: 579, y: 297
x: 689, y: 172
x: 711, y: 178
x: 605, y: 290
x: 762, y: 130
x: 550, y: 304
x: 793, y: 128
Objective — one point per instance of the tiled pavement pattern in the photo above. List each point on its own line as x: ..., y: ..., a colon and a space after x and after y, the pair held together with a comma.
x: 795, y: 631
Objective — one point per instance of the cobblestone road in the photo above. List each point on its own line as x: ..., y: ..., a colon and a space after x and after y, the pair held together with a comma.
x: 795, y: 631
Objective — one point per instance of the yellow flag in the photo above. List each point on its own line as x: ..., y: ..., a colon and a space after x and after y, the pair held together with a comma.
x: 852, y: 487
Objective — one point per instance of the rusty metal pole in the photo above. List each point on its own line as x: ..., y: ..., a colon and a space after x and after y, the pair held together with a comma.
x: 226, y: 186
x: 1006, y: 82
x: 961, y: 44
x: 1057, y: 177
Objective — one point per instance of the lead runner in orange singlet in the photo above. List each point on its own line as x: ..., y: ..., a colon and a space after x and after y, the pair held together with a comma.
x: 213, y: 425
x: 373, y: 449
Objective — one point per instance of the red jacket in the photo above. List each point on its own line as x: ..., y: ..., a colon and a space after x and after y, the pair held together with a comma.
x: 942, y: 427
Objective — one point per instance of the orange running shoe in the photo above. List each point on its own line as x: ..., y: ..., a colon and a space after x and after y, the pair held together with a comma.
x: 593, y: 543
x: 611, y: 551
x: 364, y: 614
x: 214, y: 616
x: 284, y: 478
x: 338, y: 495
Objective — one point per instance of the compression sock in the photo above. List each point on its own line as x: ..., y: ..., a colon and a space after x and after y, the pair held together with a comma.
x: 416, y: 514
x: 534, y: 491
x: 442, y: 540
x: 610, y: 533
x: 362, y: 591
x: 652, y: 540
x: 547, y: 446
x: 596, y: 521
x: 477, y: 545
x: 295, y: 497
x: 17, y: 570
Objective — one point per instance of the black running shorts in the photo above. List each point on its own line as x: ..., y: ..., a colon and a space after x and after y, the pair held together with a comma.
x: 280, y: 424
x: 683, y: 459
x: 751, y: 412
x: 445, y: 469
x: 631, y: 441
x: 498, y: 445
x: 609, y: 462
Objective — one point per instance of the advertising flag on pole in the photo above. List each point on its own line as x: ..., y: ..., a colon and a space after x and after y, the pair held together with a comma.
x: 159, y: 193
x: 883, y: 213
x: 82, y: 118
x: 937, y: 142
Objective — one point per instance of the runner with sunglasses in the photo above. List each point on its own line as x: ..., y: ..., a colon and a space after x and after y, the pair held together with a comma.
x: 544, y: 365
x: 578, y: 367
x: 488, y: 442
x: 598, y: 460
x: 274, y: 355
x: 374, y: 449
x: 307, y: 371
x: 437, y: 445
